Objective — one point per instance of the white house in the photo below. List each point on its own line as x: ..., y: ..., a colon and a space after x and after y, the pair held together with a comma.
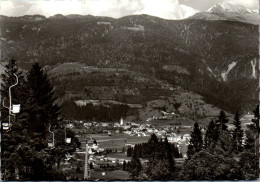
x: 149, y: 119
x: 87, y: 124
x: 143, y: 126
x: 174, y: 139
x: 93, y: 146
x: 104, y: 124
x: 186, y: 138
x: 247, y: 117
x: 126, y: 127
x: 150, y: 130
x: 116, y: 125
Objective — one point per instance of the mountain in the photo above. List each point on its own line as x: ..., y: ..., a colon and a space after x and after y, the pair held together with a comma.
x: 227, y: 11
x: 215, y: 58
x: 222, y: 8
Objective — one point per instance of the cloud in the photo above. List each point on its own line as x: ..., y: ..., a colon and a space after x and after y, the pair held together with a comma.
x: 168, y: 9
x: 203, y: 5
x: 113, y: 8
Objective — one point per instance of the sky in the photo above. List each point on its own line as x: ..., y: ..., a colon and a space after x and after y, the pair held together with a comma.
x: 168, y: 9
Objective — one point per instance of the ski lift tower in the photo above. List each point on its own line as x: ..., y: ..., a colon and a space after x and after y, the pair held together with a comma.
x: 86, y: 165
x: 13, y: 108
x: 67, y: 139
x: 52, y: 145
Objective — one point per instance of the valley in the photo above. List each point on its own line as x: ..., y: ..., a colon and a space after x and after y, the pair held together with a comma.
x: 137, y: 97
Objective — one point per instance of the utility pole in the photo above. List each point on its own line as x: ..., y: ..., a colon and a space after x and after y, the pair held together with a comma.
x: 86, y: 175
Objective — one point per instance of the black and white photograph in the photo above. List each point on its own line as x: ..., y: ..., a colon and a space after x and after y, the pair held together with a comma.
x: 129, y: 90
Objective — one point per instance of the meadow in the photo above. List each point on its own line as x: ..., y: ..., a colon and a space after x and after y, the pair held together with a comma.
x: 117, y: 141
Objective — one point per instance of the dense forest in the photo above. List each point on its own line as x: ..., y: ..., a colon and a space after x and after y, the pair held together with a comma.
x: 224, y: 154
x: 112, y: 112
x: 220, y: 154
x: 220, y: 94
x: 160, y: 155
x: 146, y: 149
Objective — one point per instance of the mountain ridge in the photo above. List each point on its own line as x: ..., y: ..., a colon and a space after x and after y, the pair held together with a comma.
x: 227, y: 11
x: 141, y: 43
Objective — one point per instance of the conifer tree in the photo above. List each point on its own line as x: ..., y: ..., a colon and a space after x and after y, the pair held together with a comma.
x: 158, y: 170
x: 196, y: 141
x: 153, y: 146
x: 237, y: 133
x: 222, y: 120
x: 211, y: 135
x: 129, y: 151
x: 153, y: 139
x: 249, y: 162
x: 135, y: 167
x: 41, y: 108
x: 169, y: 157
x: 124, y: 166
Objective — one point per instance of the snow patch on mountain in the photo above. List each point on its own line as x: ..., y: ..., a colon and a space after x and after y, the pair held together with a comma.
x: 134, y: 28
x: 210, y: 70
x: 253, y: 63
x: 103, y: 23
x: 224, y: 74
x: 228, y: 7
x: 228, y: 11
x: 107, y: 24
x: 38, y: 18
x: 10, y: 42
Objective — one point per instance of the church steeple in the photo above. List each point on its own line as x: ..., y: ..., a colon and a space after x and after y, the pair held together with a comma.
x: 121, y: 121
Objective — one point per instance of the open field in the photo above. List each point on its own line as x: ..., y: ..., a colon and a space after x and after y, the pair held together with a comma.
x: 117, y: 141
x: 110, y: 175
x: 174, y: 122
x: 118, y: 156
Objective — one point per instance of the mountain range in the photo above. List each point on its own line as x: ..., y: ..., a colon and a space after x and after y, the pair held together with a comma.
x: 227, y: 11
x: 213, y: 53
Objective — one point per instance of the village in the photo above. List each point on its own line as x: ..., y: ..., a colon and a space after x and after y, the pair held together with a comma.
x: 107, y: 146
x: 99, y: 90
x: 175, y: 134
